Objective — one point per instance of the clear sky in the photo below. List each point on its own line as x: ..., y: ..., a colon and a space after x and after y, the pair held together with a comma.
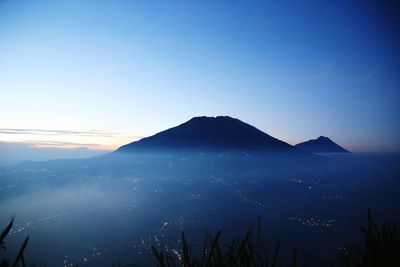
x: 103, y: 73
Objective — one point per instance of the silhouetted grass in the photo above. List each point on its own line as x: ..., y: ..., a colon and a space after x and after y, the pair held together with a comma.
x: 20, y: 256
x: 244, y: 252
x: 381, y: 249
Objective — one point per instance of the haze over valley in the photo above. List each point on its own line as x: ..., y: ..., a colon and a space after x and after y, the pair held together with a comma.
x: 199, y: 133
x: 147, y: 192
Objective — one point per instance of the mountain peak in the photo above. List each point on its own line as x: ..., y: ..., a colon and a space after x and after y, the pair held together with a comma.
x: 322, y: 144
x: 209, y: 133
x: 200, y: 119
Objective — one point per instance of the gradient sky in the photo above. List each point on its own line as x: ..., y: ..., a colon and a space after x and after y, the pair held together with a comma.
x: 103, y: 73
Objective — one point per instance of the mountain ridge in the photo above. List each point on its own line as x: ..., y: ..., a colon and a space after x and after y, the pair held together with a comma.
x: 210, y: 133
x: 321, y: 144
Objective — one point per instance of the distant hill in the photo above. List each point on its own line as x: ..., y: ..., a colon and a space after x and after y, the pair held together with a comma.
x: 210, y: 133
x: 14, y: 153
x: 321, y: 145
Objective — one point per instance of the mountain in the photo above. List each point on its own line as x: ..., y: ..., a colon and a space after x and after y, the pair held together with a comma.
x: 321, y: 145
x: 210, y: 133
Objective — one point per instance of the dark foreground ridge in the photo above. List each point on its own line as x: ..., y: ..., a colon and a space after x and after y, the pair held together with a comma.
x: 321, y: 145
x: 210, y: 133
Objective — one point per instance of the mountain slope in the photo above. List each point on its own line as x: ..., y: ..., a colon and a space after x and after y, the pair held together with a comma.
x: 209, y: 133
x: 321, y: 145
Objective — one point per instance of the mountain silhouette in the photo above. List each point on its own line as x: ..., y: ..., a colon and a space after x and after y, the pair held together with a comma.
x: 321, y: 145
x: 210, y: 133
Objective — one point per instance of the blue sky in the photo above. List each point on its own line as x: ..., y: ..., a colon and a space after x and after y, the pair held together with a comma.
x: 128, y: 69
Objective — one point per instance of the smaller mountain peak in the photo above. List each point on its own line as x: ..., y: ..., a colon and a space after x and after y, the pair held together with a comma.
x: 323, y: 139
x: 322, y: 144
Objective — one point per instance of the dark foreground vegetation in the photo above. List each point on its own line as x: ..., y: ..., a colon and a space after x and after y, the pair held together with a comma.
x: 381, y: 248
x: 19, y: 260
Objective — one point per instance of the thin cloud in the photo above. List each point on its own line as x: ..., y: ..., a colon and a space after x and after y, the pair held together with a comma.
x: 43, y: 136
x: 62, y: 144
x: 46, y: 132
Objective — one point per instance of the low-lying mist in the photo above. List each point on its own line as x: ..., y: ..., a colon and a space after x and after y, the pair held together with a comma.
x: 110, y: 209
